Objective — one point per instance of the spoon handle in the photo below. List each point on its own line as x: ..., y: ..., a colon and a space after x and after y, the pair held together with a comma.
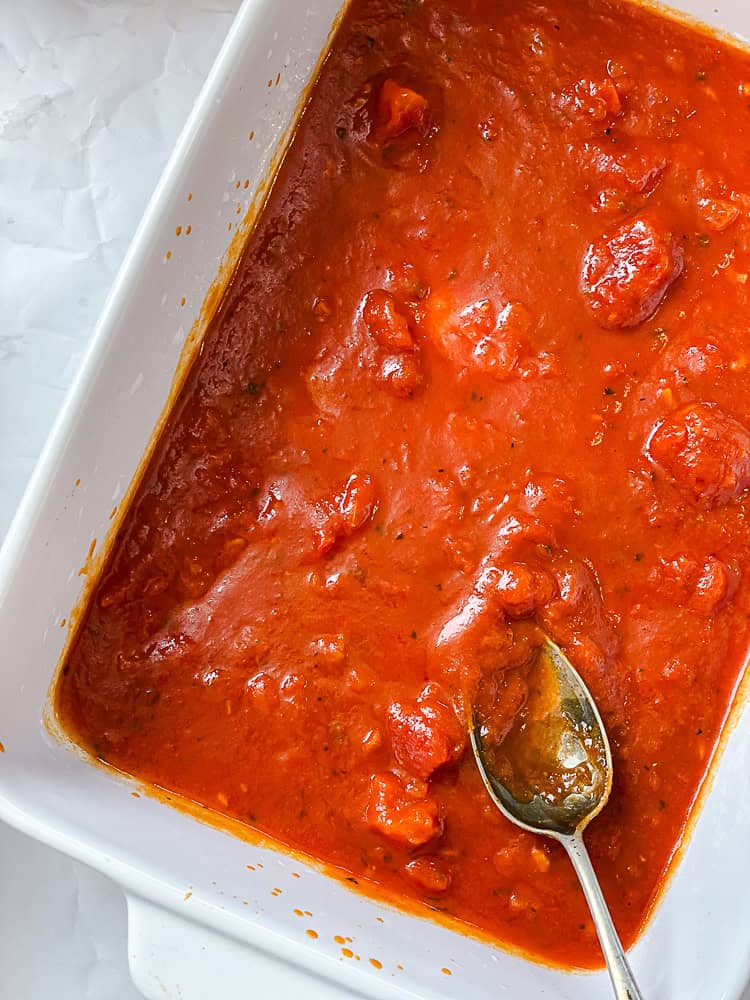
x: 624, y: 985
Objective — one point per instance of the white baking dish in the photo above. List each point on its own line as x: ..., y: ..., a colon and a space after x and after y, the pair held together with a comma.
x: 202, y: 924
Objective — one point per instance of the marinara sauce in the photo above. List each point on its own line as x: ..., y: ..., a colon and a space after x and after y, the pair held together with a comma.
x: 483, y: 368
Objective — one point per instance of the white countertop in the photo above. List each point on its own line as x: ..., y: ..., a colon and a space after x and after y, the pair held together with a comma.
x: 93, y: 97
x: 94, y: 93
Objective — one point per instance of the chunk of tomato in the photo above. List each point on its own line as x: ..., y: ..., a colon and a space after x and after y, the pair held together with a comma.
x: 425, y: 735
x: 402, y: 811
x: 398, y: 109
x: 387, y: 326
x: 705, y: 451
x: 626, y: 273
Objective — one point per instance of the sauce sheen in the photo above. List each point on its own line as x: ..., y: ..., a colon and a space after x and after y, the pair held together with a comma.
x: 483, y: 368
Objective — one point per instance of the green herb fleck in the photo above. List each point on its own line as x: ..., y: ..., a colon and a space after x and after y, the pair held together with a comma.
x: 638, y: 556
x: 341, y: 132
x: 413, y: 634
x: 253, y: 388
x: 608, y: 391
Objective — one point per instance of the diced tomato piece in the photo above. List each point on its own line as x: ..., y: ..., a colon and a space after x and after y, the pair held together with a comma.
x: 713, y: 586
x: 429, y: 874
x: 263, y: 690
x: 595, y: 100
x: 577, y: 620
x: 350, y: 510
x: 704, y: 584
x: 578, y: 585
x: 718, y: 213
x: 401, y: 374
x: 626, y: 273
x: 706, y: 452
x: 676, y: 576
x: 402, y: 811
x: 605, y: 98
x: 356, y: 502
x: 385, y: 324
x: 400, y: 371
x: 716, y: 206
x: 498, y: 355
x: 641, y: 174
x: 627, y: 172
x: 399, y: 108
x: 619, y: 75
x: 521, y: 589
x: 425, y: 735
x: 479, y: 335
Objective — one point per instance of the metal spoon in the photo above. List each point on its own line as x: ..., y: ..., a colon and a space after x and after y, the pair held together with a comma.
x: 551, y: 773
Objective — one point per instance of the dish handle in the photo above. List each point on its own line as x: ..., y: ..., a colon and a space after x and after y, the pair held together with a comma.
x: 174, y: 958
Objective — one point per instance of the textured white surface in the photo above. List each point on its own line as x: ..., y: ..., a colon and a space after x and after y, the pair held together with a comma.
x: 93, y: 97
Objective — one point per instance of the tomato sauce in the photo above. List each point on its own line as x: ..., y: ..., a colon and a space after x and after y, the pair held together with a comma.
x: 483, y: 368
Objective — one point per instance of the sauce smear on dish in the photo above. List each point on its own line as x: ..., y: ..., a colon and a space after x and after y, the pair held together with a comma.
x: 483, y: 368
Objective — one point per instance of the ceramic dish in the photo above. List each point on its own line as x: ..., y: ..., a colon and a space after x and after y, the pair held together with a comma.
x: 209, y: 912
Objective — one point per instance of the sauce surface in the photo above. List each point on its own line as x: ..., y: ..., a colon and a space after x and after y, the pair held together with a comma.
x: 482, y: 368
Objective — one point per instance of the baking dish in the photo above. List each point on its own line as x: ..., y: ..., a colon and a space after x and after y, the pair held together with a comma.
x: 183, y: 877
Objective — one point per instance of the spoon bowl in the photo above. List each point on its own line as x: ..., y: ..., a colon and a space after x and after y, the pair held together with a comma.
x: 550, y: 773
